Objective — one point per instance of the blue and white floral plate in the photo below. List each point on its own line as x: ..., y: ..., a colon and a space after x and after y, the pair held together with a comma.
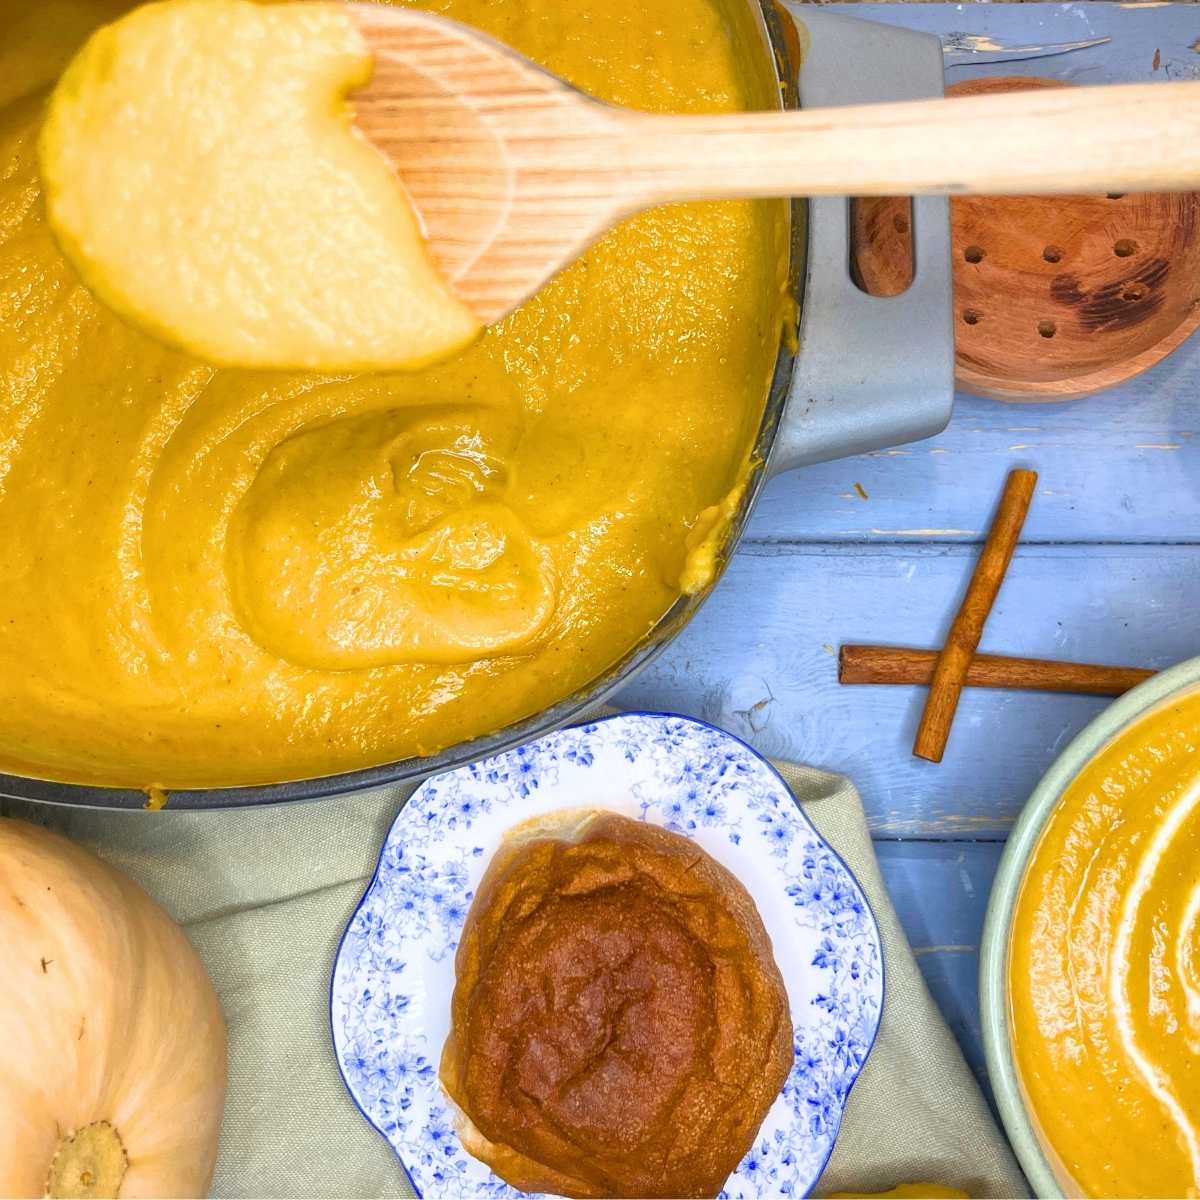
x: 394, y: 973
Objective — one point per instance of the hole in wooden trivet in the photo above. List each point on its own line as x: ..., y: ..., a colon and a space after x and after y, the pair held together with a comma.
x: 1116, y: 195
x: 1125, y: 247
x: 1135, y: 291
x: 972, y: 316
x: 1047, y: 328
x: 974, y: 254
x: 1052, y: 254
x: 881, y: 238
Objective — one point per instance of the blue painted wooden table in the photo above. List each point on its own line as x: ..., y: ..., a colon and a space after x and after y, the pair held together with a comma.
x: 1108, y: 570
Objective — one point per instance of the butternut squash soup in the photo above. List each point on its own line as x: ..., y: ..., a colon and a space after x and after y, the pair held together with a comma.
x: 217, y: 577
x: 1105, y: 966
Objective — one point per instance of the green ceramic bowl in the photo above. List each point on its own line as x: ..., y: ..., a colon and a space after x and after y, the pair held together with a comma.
x: 993, y: 966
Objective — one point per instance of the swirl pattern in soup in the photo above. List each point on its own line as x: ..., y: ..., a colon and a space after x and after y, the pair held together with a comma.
x: 1105, y: 966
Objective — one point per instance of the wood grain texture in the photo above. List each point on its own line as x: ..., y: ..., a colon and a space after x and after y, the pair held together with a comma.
x: 1120, y: 467
x: 1056, y: 297
x: 515, y: 173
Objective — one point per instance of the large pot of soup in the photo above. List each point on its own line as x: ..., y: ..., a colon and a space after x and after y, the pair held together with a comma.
x: 244, y: 588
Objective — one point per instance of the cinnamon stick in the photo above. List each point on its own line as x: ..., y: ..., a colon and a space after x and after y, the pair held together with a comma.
x: 963, y: 640
x: 895, y: 664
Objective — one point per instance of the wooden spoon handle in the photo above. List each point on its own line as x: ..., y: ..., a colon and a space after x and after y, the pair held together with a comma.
x: 1128, y: 137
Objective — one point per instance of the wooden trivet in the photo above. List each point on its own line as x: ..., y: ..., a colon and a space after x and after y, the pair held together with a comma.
x: 1055, y: 297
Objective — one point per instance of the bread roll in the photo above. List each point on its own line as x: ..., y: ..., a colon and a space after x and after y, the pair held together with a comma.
x: 619, y: 1026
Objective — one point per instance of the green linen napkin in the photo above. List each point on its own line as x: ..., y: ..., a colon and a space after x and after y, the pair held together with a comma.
x: 264, y: 895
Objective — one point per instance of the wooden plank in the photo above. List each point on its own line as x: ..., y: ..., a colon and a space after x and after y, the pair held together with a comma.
x: 940, y: 891
x: 1118, y: 467
x: 760, y: 660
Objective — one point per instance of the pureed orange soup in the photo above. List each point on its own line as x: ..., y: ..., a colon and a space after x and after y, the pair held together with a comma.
x: 1104, y: 966
x: 215, y: 577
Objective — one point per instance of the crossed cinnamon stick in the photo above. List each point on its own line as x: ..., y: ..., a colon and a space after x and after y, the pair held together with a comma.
x: 895, y: 664
x: 957, y: 665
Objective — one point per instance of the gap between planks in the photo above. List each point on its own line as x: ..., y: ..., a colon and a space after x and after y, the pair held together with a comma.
x: 949, y: 839
x: 857, y: 544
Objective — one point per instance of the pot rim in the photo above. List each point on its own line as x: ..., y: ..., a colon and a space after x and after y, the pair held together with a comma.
x: 993, y: 953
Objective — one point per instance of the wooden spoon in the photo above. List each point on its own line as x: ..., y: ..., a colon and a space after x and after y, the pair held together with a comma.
x: 515, y: 173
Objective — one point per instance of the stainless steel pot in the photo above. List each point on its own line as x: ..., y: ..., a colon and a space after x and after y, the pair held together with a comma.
x: 859, y: 373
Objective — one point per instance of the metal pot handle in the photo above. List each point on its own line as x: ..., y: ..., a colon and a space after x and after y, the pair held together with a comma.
x: 870, y: 372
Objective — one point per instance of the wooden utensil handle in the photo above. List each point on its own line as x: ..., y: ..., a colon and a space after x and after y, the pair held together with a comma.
x: 1128, y: 137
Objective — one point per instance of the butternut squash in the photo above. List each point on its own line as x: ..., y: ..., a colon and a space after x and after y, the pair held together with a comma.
x: 112, y: 1044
